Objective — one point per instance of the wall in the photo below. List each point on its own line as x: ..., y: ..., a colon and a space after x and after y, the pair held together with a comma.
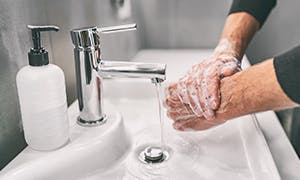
x: 181, y: 24
x: 280, y: 33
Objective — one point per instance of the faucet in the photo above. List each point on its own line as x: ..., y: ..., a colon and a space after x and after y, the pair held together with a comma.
x: 91, y: 69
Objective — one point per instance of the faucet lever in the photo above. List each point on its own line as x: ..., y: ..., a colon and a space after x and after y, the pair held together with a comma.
x: 90, y: 69
x: 121, y: 28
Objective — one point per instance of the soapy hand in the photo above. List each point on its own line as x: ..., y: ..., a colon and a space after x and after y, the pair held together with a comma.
x: 183, y: 116
x: 199, y: 89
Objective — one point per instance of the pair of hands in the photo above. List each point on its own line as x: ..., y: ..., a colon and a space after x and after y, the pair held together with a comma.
x: 193, y: 101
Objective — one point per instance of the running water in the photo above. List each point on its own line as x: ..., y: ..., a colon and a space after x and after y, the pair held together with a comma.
x: 160, y: 112
x: 156, y: 154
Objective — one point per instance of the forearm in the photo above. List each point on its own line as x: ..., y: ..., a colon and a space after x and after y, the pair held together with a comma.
x: 245, y: 18
x: 238, y: 31
x: 252, y: 90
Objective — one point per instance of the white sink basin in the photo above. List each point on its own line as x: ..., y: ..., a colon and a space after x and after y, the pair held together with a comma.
x: 235, y: 150
x: 91, y: 149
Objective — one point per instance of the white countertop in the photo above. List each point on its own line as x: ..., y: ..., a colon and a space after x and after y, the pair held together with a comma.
x: 284, y: 155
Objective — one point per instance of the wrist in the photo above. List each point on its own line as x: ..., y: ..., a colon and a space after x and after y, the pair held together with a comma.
x: 233, y: 98
x: 228, y: 47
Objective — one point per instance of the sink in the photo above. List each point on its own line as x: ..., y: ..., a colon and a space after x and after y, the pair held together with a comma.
x: 234, y: 150
x: 89, y: 150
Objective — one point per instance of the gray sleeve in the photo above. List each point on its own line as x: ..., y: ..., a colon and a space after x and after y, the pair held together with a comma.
x: 287, y: 69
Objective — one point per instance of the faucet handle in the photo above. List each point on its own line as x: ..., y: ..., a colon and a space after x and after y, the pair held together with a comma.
x: 121, y: 28
x: 90, y: 36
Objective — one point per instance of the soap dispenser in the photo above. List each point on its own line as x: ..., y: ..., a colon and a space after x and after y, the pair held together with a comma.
x: 42, y: 97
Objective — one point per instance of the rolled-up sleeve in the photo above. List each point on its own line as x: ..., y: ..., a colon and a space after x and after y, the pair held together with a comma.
x: 287, y: 69
x: 259, y: 9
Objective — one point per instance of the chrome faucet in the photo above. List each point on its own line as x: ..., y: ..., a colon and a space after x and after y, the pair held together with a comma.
x: 90, y: 69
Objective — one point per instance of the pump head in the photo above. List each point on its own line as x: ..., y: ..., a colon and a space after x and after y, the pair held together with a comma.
x: 38, y: 56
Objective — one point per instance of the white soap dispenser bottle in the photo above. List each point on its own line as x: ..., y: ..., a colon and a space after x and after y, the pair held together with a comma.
x: 42, y: 97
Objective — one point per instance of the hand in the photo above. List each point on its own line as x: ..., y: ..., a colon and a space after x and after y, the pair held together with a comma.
x: 199, y: 88
x: 185, y: 119
x: 243, y: 93
x: 182, y: 115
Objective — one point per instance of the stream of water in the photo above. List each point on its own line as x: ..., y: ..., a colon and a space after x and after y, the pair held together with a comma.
x: 160, y: 112
x: 156, y: 153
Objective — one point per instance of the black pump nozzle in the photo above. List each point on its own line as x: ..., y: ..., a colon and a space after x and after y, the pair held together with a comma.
x: 38, y: 56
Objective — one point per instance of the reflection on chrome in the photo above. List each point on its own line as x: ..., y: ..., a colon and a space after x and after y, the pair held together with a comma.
x: 90, y: 69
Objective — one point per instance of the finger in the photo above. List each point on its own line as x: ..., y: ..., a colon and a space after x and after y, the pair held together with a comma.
x: 175, y: 116
x: 194, y: 69
x: 180, y: 113
x: 184, y: 109
x: 174, y: 95
x: 170, y: 103
x: 194, y: 101
x: 206, y: 98
x: 182, y: 91
x: 181, y: 86
x: 211, y: 88
x: 181, y: 125
x: 193, y: 93
x: 194, y: 124
x: 169, y: 90
x: 171, y: 99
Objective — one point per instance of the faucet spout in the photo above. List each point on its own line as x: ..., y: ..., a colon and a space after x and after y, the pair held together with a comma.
x: 132, y: 70
x: 90, y: 70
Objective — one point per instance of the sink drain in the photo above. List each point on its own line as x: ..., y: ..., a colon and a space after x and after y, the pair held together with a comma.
x: 153, y: 154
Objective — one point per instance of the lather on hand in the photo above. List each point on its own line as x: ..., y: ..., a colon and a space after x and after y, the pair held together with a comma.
x: 182, y: 114
x: 199, y: 88
x: 237, y: 98
x: 196, y: 100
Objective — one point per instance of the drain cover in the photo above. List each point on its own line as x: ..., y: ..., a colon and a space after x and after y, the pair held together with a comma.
x: 153, y: 155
